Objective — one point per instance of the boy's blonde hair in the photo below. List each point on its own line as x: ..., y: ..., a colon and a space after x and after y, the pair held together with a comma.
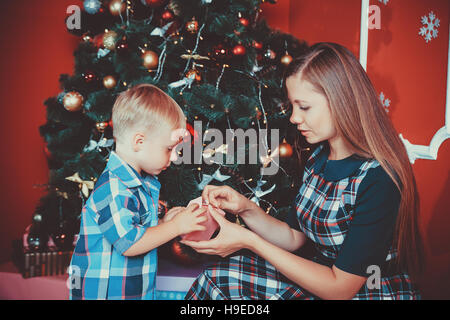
x: 148, y: 106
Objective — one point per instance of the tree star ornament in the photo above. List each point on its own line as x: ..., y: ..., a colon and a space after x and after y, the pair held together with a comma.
x: 103, y: 143
x: 258, y: 191
x: 102, y: 53
x: 160, y: 32
x: 208, y: 153
x: 208, y: 178
x: 85, y: 186
x: 266, y: 160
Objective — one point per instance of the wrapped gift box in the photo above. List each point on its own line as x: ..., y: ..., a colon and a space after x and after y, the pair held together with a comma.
x: 47, y: 262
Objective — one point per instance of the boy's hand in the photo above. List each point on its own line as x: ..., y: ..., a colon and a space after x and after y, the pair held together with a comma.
x: 172, y: 213
x: 189, y: 219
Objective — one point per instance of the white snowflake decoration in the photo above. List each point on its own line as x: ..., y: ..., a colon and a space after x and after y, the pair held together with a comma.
x: 429, y: 30
x: 385, y: 102
x: 384, y: 1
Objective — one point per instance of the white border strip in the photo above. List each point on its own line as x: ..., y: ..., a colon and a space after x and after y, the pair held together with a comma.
x: 364, y: 34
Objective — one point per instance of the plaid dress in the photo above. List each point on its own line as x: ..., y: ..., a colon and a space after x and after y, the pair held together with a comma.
x: 347, y: 208
x: 122, y: 206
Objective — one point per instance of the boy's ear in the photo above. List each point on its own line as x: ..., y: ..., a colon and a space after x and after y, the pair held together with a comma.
x: 138, y: 140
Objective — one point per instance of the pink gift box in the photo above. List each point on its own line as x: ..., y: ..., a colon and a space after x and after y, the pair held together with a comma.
x: 210, y: 224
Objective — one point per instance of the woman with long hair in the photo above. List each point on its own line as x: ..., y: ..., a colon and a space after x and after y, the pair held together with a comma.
x: 358, y: 201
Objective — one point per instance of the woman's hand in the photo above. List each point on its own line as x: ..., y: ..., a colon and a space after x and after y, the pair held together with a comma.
x: 232, y: 237
x: 226, y: 198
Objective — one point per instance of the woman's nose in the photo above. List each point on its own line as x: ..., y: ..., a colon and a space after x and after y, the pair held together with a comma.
x: 296, y: 117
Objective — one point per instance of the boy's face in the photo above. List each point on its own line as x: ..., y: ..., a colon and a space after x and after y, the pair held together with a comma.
x: 156, y: 149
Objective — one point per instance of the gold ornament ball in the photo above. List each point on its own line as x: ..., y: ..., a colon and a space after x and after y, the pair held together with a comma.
x: 286, y: 59
x: 101, y: 126
x: 150, y: 59
x: 285, y: 150
x: 73, y: 101
x: 109, y: 40
x: 116, y: 7
x: 192, y: 26
x: 109, y: 82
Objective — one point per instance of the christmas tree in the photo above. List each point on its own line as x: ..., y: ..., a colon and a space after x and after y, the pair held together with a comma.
x: 222, y: 64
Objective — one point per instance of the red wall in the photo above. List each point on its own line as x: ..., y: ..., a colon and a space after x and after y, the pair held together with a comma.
x: 36, y: 49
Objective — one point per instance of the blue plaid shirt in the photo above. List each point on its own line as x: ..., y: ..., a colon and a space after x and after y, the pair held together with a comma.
x: 121, y: 207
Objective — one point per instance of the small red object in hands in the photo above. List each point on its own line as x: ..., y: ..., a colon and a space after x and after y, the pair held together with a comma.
x: 210, y: 224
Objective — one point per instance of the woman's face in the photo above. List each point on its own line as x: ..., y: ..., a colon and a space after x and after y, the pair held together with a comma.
x: 310, y: 111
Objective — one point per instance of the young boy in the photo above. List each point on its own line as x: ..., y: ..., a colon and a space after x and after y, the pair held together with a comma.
x: 116, y: 256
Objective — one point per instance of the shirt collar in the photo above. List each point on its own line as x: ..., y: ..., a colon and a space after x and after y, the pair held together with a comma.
x: 128, y: 175
x: 334, y: 170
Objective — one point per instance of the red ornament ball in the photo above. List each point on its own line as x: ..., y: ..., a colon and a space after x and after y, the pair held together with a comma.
x: 257, y: 45
x: 181, y: 254
x: 167, y: 15
x: 239, y: 50
x: 244, y: 22
x: 285, y: 150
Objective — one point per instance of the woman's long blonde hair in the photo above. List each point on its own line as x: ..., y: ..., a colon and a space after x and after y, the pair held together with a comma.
x: 360, y: 118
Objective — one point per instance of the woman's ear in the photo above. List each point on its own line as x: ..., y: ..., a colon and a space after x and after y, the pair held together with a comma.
x: 138, y: 140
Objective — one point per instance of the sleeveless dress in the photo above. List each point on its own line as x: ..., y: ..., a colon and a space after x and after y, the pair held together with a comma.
x: 348, y: 209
